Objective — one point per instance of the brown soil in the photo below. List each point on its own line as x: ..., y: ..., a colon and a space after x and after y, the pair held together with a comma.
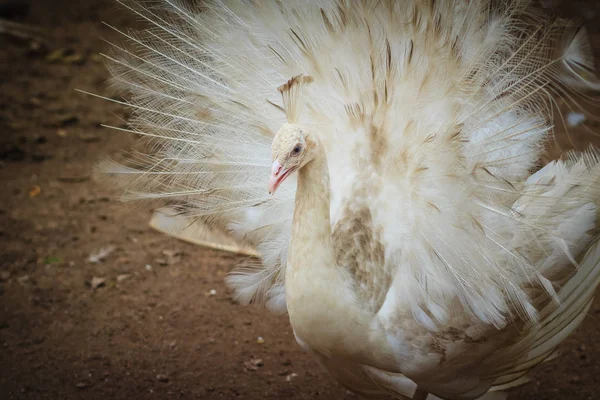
x: 158, y: 333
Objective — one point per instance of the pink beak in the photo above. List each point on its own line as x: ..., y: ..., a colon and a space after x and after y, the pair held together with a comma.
x: 278, y: 175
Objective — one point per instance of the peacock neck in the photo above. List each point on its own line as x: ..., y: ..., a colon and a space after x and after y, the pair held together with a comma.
x: 312, y: 265
x: 311, y: 211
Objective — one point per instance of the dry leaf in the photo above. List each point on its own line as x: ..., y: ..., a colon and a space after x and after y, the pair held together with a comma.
x: 35, y: 191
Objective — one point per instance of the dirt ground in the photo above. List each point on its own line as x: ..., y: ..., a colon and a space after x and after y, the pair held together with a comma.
x: 149, y: 331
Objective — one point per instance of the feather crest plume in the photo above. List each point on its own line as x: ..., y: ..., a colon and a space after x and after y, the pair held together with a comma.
x: 292, y: 94
x: 446, y: 104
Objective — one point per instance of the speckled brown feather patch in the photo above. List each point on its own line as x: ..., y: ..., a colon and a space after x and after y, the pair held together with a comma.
x: 359, y: 249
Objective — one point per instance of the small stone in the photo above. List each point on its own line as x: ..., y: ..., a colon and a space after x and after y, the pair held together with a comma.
x: 100, y: 255
x: 258, y: 362
x: 162, y: 378
x: 253, y: 364
x: 162, y: 262
x: 121, y: 260
x: 122, y: 277
x: 172, y: 256
x: 97, y: 282
x: 23, y: 279
x: 291, y: 376
x: 260, y: 340
x: 88, y: 137
x: 81, y: 385
x: 249, y: 367
x: 212, y: 292
x: 148, y: 267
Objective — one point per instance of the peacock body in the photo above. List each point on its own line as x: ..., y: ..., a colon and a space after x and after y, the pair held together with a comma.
x: 412, y: 244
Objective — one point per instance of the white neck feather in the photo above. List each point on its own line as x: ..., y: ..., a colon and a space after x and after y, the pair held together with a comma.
x: 311, y: 245
x: 311, y: 212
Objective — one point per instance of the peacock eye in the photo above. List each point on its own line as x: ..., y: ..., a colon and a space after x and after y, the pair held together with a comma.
x: 296, y: 150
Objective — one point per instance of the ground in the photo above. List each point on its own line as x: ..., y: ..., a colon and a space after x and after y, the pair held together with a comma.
x: 141, y: 323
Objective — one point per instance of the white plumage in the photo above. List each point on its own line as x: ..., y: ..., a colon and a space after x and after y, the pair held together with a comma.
x: 424, y: 252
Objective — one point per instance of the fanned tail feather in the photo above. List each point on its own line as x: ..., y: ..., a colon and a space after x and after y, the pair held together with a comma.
x: 478, y: 79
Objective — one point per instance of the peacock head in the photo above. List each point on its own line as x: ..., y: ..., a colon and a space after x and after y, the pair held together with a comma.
x: 292, y: 148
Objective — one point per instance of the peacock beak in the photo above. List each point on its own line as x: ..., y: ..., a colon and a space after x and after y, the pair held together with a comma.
x: 278, y: 175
